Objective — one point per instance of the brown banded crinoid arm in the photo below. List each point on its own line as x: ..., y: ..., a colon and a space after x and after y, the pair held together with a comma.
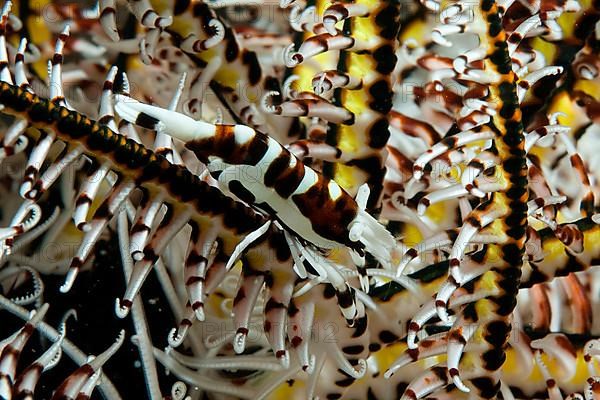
x: 355, y: 97
x: 564, y: 305
x: 300, y: 81
x: 10, y: 352
x: 27, y: 380
x: 555, y: 330
x: 80, y: 384
x: 484, y: 322
x: 559, y: 251
x: 581, y: 95
x: 223, y: 64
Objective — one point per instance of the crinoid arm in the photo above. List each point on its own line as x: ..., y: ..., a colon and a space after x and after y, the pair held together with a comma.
x: 364, y: 199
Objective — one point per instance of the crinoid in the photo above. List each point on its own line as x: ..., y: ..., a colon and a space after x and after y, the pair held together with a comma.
x: 310, y: 199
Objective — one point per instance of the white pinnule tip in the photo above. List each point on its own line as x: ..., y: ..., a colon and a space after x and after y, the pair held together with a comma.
x: 22, y: 46
x: 553, y: 118
x: 290, y: 56
x: 163, y: 22
x: 266, y: 103
x: 32, y: 194
x: 6, y: 9
x: 459, y: 64
x: 417, y: 174
x: 69, y: 280
x: 121, y: 310
x: 239, y: 343
x: 432, y: 5
x: 449, y: 12
x: 587, y: 72
x: 360, y: 369
x: 287, y: 85
x: 310, y: 367
x: 411, y: 339
x: 442, y: 312
x: 109, y: 23
x: 219, y: 35
x: 65, y: 32
x: 24, y: 189
x: 200, y: 313
x: 438, y: 37
x: 455, y: 271
x: 477, y: 192
x: 175, y: 339
x: 112, y: 74
x: 364, y: 283
x: 459, y: 384
x: 319, y: 85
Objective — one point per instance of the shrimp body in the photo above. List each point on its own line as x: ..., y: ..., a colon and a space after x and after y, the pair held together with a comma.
x: 261, y: 172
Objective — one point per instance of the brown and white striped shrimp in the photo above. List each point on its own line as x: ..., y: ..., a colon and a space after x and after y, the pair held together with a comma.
x: 258, y: 170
